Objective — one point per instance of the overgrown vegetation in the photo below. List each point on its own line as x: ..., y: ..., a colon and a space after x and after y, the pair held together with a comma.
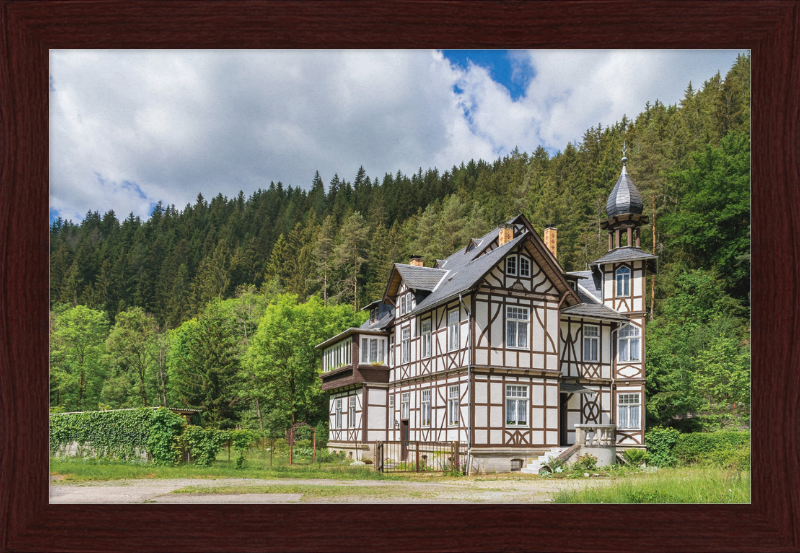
x: 683, y: 485
x: 217, y: 306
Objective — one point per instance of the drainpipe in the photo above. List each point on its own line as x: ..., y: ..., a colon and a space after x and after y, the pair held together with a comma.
x: 469, y: 385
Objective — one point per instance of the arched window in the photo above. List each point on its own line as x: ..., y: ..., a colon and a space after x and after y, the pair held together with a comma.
x: 629, y: 343
x: 623, y: 281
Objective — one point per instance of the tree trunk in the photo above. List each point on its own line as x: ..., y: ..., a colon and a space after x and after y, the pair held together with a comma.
x: 325, y: 285
x: 144, y: 390
x: 653, y: 285
x: 355, y: 279
x: 258, y: 412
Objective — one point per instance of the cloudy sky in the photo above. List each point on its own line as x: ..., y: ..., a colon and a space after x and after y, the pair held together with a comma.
x: 130, y: 128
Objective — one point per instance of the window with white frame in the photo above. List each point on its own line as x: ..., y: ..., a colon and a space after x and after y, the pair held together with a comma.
x: 628, y: 343
x: 351, y: 413
x: 452, y: 330
x: 405, y: 406
x: 364, y: 350
x: 591, y: 343
x: 426, y: 407
x: 339, y: 413
x: 524, y: 266
x: 408, y: 301
x: 516, y: 405
x: 375, y: 350
x: 452, y: 405
x: 391, y: 350
x: 628, y: 409
x: 516, y: 327
x: 392, y: 418
x: 403, y: 305
x: 426, y: 338
x: 623, y: 282
x: 511, y: 265
x: 406, y: 345
x: 338, y: 355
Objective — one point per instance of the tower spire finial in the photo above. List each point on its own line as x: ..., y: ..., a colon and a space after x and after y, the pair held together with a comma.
x: 624, y: 152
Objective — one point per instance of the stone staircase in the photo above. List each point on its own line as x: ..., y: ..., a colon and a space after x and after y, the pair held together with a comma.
x: 533, y: 467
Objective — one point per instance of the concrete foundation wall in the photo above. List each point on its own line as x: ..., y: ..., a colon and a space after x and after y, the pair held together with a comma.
x: 500, y: 459
x: 355, y: 452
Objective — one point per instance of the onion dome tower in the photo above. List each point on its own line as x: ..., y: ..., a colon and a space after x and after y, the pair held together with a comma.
x: 624, y: 209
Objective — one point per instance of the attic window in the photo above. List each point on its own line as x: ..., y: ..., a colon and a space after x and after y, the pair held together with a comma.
x: 572, y: 285
x: 373, y: 314
x: 471, y: 247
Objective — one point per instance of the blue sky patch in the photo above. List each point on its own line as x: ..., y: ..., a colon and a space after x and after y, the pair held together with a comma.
x: 505, y: 67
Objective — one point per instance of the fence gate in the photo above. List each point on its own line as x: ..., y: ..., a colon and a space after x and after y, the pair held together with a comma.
x: 409, y: 456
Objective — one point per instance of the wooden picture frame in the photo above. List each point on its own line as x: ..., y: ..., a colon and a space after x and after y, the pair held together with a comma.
x: 770, y: 29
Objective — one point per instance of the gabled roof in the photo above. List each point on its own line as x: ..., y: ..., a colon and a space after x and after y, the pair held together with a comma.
x: 465, y: 272
x: 594, y: 311
x: 416, y: 278
x: 629, y: 253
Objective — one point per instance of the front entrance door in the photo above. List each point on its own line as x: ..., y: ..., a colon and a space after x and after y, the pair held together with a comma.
x: 562, y: 418
x: 404, y: 439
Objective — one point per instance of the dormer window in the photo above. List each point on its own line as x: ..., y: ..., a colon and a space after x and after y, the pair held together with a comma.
x: 373, y: 314
x: 623, y: 282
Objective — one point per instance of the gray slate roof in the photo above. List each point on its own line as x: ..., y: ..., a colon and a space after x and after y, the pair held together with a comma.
x: 420, y: 278
x: 591, y: 282
x: 382, y: 321
x: 591, y: 297
x: 594, y: 311
x: 465, y: 269
x: 627, y: 253
x: 625, y: 197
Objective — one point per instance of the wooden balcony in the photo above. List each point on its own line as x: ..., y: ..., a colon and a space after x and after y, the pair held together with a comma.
x: 354, y: 374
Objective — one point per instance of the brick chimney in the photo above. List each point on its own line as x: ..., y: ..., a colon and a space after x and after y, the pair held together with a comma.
x: 551, y: 239
x: 506, y: 235
x: 416, y: 261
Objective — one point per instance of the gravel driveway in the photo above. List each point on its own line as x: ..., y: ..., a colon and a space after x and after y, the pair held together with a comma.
x: 465, y: 490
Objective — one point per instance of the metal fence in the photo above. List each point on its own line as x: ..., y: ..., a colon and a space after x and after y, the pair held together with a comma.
x: 410, y: 456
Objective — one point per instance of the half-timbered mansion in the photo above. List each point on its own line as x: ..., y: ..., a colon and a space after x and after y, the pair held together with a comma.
x: 499, y: 348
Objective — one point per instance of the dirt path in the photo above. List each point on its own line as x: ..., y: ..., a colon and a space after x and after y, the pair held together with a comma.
x: 244, y: 490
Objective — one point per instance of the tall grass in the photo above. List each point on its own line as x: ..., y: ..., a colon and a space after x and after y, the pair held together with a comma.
x: 679, y: 485
x: 77, y: 469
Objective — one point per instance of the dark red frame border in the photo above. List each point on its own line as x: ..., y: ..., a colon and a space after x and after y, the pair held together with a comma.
x: 29, y: 29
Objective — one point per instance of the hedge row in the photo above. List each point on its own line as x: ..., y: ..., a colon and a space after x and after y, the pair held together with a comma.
x: 122, y: 435
x: 126, y: 435
x: 668, y: 447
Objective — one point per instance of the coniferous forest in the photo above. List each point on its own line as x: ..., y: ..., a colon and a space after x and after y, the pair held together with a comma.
x: 217, y: 305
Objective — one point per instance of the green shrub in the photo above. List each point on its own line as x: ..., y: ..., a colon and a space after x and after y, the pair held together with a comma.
x: 716, y: 448
x: 302, y: 444
x: 241, y: 440
x: 636, y: 456
x: 165, y: 426
x: 202, y: 444
x: 585, y: 463
x: 660, y: 444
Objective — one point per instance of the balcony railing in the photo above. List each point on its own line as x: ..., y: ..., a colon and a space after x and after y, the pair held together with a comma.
x: 595, y: 435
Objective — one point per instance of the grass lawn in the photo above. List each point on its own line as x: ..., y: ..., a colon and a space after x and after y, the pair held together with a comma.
x: 257, y: 465
x: 313, y: 492
x: 676, y: 485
